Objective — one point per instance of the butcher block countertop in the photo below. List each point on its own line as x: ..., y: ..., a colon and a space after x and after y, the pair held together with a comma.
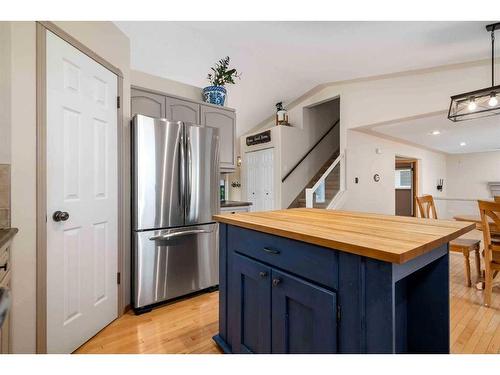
x: 395, y: 239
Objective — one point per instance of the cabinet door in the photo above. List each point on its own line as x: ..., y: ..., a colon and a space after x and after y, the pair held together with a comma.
x: 147, y: 103
x: 182, y: 110
x: 225, y: 121
x: 250, y: 291
x: 304, y: 316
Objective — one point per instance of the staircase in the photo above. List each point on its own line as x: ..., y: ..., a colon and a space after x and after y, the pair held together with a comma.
x: 332, y: 184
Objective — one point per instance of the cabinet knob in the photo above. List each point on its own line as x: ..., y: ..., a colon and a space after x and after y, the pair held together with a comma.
x: 276, y: 281
x: 262, y: 274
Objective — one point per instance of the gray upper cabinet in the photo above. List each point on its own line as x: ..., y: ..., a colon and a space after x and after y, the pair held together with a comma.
x: 147, y: 103
x: 155, y: 104
x: 225, y: 121
x: 182, y: 110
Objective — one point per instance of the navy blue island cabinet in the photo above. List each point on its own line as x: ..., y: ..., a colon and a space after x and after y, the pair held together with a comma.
x: 318, y: 281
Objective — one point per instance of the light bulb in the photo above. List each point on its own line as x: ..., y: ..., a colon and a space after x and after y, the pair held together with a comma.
x: 493, y: 100
x: 472, y: 105
x: 463, y: 144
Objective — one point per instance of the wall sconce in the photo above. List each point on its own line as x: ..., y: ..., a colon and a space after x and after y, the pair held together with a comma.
x: 440, y: 185
x: 238, y: 161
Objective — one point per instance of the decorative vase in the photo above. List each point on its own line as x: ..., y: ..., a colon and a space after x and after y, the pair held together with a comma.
x: 214, y: 95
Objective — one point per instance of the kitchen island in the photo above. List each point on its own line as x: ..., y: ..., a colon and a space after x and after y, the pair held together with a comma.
x: 324, y: 281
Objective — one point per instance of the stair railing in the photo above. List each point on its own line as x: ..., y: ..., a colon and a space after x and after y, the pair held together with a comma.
x: 310, y: 150
x: 335, y: 174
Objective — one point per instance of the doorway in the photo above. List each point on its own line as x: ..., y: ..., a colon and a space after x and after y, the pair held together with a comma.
x: 405, y: 186
x: 78, y: 192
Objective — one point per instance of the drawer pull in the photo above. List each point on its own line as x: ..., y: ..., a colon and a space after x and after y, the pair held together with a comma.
x: 276, y: 281
x: 262, y: 274
x: 271, y: 251
x: 4, y: 267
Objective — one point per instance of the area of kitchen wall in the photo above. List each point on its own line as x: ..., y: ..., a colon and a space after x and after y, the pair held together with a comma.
x: 467, y: 178
x: 4, y: 124
x: 363, y: 161
x: 168, y: 86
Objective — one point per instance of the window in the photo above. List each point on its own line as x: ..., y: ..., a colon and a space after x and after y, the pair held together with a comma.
x: 403, y: 178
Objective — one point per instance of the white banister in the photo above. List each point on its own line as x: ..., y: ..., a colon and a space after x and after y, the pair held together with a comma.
x: 319, y: 186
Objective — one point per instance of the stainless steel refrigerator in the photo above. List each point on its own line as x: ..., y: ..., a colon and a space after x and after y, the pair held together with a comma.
x: 175, y: 176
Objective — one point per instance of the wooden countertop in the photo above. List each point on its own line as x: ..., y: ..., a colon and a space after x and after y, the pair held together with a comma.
x: 395, y: 239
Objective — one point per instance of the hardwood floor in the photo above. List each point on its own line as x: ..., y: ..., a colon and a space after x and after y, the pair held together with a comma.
x: 188, y: 326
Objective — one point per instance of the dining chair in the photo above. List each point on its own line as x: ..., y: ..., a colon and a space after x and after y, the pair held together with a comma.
x: 465, y: 246
x: 490, y: 216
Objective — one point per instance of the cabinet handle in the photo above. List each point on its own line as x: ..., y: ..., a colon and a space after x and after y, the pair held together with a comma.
x: 271, y: 251
x: 262, y: 274
x: 276, y: 281
x: 4, y: 267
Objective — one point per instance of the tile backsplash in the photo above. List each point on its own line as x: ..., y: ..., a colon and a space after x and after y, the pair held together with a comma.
x: 4, y: 195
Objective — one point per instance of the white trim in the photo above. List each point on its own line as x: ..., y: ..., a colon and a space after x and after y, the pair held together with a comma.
x: 310, y: 191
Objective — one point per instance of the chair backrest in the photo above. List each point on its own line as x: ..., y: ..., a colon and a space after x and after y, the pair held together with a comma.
x: 427, y: 207
x: 490, y: 219
x: 497, y: 198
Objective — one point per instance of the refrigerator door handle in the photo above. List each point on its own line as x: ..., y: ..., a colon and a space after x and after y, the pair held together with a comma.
x: 179, y: 234
x: 188, y: 175
x: 182, y: 171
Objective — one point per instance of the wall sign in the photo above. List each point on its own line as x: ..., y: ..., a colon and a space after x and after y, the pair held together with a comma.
x: 256, y: 139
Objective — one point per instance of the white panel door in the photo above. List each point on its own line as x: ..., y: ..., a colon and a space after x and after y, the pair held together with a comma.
x: 260, y: 179
x: 267, y: 178
x: 82, y: 181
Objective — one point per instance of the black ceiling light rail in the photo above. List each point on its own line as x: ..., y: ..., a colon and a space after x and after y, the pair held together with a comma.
x: 310, y: 150
x: 478, y: 103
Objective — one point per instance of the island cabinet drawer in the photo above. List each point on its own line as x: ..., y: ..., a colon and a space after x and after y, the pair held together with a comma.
x: 311, y: 262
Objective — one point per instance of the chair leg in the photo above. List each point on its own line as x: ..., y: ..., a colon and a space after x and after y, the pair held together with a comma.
x: 488, y: 285
x: 477, y: 254
x: 467, y: 268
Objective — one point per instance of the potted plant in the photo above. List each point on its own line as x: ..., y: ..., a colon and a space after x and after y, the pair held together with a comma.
x: 220, y: 76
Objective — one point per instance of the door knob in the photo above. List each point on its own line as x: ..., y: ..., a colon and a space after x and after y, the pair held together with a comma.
x: 60, y: 216
x: 262, y: 274
x: 276, y: 281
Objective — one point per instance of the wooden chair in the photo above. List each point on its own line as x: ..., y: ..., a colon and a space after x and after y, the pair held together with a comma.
x: 490, y: 210
x: 465, y: 246
x: 497, y: 198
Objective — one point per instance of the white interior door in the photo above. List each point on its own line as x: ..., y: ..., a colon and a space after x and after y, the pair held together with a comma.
x: 82, y: 181
x: 267, y: 178
x: 260, y: 179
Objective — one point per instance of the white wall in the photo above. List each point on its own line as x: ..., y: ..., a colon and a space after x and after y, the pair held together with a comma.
x: 23, y: 188
x: 363, y: 162
x: 373, y: 100
x: 167, y: 86
x: 468, y: 174
x: 467, y: 177
x: 5, y: 93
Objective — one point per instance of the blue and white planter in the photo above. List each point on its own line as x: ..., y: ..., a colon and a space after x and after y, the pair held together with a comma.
x: 214, y: 95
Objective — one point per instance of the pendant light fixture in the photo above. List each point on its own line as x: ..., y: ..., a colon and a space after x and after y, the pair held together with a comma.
x: 479, y: 103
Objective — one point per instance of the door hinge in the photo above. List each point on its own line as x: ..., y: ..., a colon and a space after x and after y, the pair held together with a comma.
x: 117, y: 102
x: 118, y: 277
x: 339, y: 314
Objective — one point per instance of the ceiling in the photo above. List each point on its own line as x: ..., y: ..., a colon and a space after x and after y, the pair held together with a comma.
x: 280, y: 61
x: 479, y: 135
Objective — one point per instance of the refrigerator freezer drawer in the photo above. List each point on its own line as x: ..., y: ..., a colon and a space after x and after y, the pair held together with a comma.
x: 174, y: 262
